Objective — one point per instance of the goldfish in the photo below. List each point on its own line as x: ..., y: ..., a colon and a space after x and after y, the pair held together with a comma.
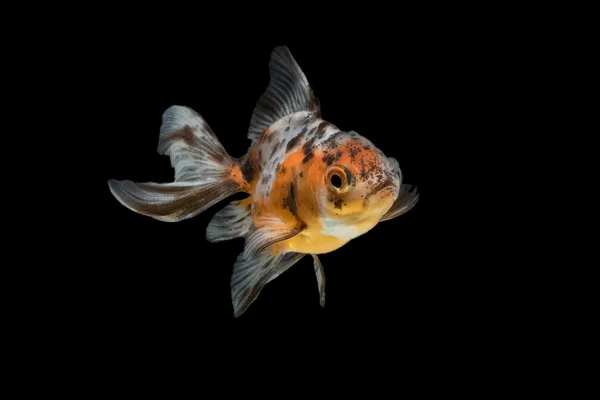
x: 312, y: 187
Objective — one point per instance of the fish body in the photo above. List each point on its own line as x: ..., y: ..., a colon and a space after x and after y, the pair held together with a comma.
x: 291, y: 159
x: 313, y: 188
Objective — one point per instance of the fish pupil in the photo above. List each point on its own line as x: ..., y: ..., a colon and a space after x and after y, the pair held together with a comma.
x: 336, y: 181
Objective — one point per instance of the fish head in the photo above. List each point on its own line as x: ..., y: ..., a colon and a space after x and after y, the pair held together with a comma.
x: 361, y: 184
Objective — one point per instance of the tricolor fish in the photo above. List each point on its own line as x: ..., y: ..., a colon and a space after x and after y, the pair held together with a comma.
x: 312, y: 186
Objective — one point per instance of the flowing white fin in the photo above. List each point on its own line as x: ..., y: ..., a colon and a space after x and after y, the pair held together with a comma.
x: 170, y: 202
x: 250, y: 275
x: 288, y: 92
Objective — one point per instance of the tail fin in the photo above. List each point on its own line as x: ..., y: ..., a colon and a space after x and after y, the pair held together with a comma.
x: 204, y: 173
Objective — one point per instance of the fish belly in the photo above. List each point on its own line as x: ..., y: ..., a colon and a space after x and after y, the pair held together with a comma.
x: 314, y: 242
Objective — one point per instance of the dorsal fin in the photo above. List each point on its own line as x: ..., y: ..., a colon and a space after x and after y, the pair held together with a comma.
x: 288, y: 92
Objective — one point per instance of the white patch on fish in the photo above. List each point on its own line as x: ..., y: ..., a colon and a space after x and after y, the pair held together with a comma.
x: 338, y: 229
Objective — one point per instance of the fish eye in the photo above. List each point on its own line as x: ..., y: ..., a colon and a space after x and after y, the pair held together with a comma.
x: 337, y: 180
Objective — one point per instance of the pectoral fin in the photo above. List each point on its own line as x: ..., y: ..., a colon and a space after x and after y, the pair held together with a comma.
x: 266, y: 231
x: 320, y: 279
x: 405, y: 201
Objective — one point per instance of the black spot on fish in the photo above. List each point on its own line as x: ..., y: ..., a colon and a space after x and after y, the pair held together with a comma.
x: 289, y: 203
x: 338, y: 204
x: 331, y: 142
x: 308, y: 157
x: 331, y: 158
x: 367, y: 147
x: 322, y: 128
x: 354, y: 150
x: 370, y: 173
x: 328, y: 159
x: 185, y: 134
x: 294, y: 141
x: 287, y: 129
x: 301, y: 174
x: 282, y: 169
x: 265, y: 179
x: 247, y: 170
x: 308, y: 146
x: 270, y: 138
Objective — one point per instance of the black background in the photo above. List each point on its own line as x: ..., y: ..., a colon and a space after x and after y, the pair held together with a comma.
x: 407, y: 94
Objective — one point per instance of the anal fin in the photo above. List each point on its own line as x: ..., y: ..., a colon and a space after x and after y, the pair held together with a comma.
x: 233, y: 221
